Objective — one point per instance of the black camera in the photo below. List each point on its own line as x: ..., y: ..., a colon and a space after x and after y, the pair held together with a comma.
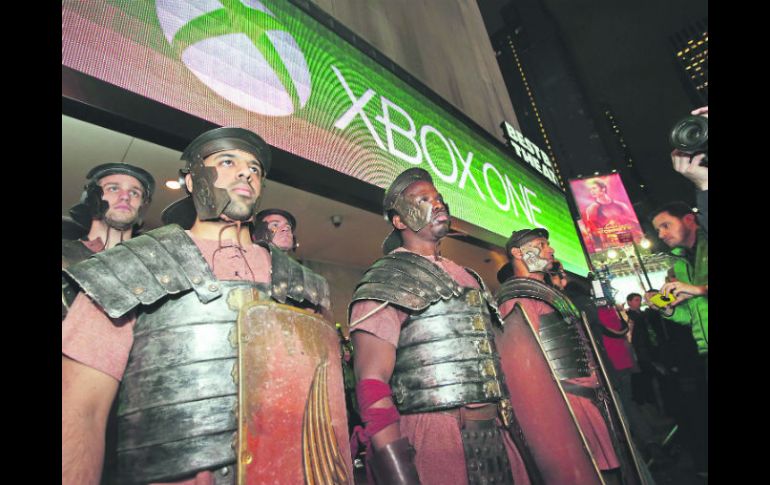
x: 691, y: 135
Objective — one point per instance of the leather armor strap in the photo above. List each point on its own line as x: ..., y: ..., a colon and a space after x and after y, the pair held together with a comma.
x: 393, y: 464
x: 480, y: 413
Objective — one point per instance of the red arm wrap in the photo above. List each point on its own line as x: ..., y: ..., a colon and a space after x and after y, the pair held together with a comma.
x: 368, y: 392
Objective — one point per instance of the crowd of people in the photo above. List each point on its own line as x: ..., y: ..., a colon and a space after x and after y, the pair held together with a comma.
x: 163, y: 333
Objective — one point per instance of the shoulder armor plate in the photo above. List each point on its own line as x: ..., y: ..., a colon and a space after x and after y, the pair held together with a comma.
x: 296, y: 281
x: 529, y: 288
x: 142, y: 270
x: 73, y: 252
x: 407, y: 280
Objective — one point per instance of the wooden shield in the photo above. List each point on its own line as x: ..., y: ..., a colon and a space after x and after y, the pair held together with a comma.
x: 542, y: 410
x: 292, y: 418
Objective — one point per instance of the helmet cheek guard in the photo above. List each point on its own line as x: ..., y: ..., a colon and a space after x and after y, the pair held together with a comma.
x: 261, y: 233
x: 92, y: 206
x: 415, y: 214
x: 209, y: 201
x: 93, y: 199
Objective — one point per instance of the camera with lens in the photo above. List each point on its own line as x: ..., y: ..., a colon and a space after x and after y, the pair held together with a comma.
x: 691, y: 135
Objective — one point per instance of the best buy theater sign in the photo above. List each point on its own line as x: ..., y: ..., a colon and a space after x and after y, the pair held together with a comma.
x: 270, y: 67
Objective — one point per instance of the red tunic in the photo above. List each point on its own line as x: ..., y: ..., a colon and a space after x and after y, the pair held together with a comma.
x: 588, y: 416
x: 618, y: 349
x: 440, y: 458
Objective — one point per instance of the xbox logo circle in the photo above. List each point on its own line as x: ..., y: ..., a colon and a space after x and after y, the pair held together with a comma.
x: 240, y: 50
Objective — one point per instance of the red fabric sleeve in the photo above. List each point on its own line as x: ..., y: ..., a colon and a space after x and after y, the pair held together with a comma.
x: 368, y: 392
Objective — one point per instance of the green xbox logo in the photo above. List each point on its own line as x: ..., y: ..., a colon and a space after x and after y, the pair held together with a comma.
x: 240, y: 50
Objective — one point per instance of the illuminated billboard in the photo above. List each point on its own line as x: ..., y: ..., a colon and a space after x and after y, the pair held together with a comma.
x: 270, y: 67
x: 607, y: 218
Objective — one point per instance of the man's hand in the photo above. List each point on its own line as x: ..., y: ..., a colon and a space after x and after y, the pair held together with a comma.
x: 688, y: 165
x: 691, y: 168
x: 682, y: 291
x: 703, y: 111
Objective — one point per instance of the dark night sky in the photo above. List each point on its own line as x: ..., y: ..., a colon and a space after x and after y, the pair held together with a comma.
x: 623, y: 58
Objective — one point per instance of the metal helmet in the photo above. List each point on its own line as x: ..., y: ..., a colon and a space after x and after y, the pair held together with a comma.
x: 92, y: 206
x: 523, y: 236
x: 206, y: 201
x: 415, y: 217
x: 519, y: 238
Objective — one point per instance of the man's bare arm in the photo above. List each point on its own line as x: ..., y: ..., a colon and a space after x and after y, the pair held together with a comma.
x: 376, y: 359
x: 86, y: 398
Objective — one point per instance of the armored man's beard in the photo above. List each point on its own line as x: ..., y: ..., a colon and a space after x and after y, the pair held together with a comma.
x: 120, y: 225
x: 241, y: 211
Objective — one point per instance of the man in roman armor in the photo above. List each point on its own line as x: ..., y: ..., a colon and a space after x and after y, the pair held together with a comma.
x: 566, y: 343
x: 429, y: 386
x: 191, y: 329
x: 277, y: 227
x: 110, y: 208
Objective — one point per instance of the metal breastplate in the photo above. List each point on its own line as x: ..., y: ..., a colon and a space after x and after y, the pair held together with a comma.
x: 560, y: 330
x: 564, y: 346
x: 178, y: 397
x: 446, y: 356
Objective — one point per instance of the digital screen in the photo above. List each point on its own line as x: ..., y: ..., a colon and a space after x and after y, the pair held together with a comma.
x: 270, y: 67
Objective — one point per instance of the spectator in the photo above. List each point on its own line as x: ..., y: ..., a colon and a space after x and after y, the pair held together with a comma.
x: 643, y: 339
x: 678, y: 228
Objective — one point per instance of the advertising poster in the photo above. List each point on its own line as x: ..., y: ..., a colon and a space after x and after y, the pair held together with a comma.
x: 619, y: 253
x: 607, y: 217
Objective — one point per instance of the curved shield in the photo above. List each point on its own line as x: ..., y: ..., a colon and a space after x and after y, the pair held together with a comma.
x: 544, y: 415
x: 292, y: 419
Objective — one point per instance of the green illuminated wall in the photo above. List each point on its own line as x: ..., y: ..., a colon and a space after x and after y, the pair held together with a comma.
x: 268, y: 66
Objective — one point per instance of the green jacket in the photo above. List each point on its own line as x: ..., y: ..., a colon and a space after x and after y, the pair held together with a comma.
x: 695, y: 311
